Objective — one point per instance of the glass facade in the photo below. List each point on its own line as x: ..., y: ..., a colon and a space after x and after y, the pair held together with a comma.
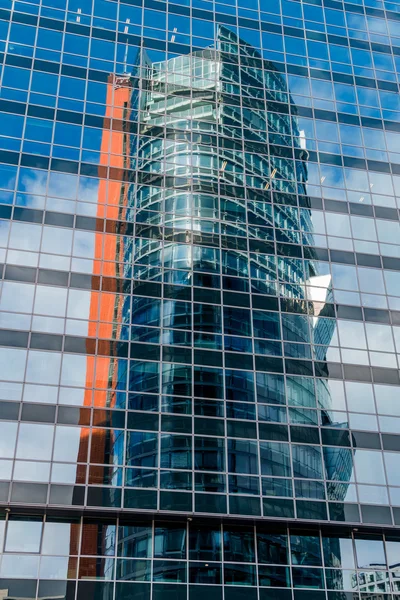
x: 101, y: 559
x: 200, y: 301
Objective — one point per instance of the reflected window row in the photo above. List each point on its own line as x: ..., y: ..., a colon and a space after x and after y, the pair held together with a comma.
x: 242, y: 489
x: 150, y: 449
x: 157, y: 18
x: 239, y: 221
x: 349, y: 135
x: 154, y: 260
x: 143, y: 376
x: 272, y: 46
x: 352, y: 137
x: 372, y: 20
x: 331, y: 177
x: 210, y: 574
x: 304, y: 393
x: 199, y: 541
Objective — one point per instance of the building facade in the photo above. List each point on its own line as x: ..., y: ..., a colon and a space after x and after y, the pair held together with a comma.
x: 200, y: 301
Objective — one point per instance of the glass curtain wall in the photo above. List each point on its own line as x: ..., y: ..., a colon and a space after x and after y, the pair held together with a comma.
x: 200, y: 299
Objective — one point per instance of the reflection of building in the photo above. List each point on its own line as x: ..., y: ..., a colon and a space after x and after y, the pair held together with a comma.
x: 207, y: 166
x: 371, y: 581
x: 102, y: 372
x: 321, y: 295
x: 197, y: 94
x: 212, y: 197
x: 338, y: 460
x: 221, y: 160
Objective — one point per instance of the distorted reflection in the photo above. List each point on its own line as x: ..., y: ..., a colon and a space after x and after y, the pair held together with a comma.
x: 236, y: 315
x: 185, y: 196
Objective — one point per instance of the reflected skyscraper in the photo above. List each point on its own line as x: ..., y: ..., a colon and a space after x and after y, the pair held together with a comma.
x: 207, y: 168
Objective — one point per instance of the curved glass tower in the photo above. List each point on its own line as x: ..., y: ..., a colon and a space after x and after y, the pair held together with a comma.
x: 206, y: 226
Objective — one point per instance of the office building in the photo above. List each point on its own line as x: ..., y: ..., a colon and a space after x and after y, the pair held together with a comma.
x: 200, y: 305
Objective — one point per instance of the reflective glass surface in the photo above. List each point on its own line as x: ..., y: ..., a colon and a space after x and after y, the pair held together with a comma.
x: 200, y: 292
x: 92, y: 555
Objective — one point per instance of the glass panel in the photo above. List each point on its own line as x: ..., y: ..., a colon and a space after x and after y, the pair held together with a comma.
x: 170, y: 541
x: 23, y: 535
x: 369, y: 551
x: 305, y: 550
x: 239, y: 544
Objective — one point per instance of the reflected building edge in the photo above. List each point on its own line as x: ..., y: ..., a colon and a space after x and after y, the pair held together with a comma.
x: 187, y: 203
